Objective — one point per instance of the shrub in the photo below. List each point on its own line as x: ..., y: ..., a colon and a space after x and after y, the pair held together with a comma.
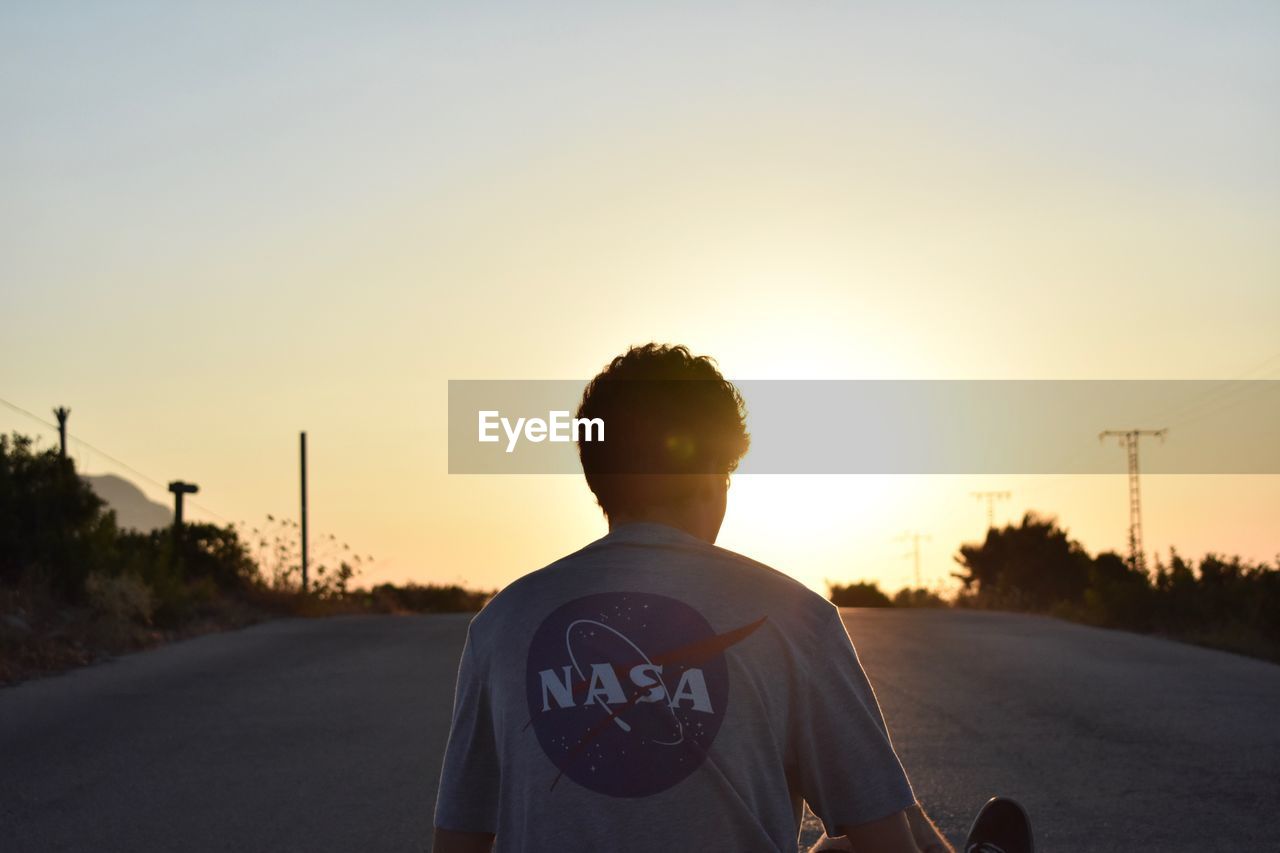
x: 908, y: 597
x: 1030, y: 566
x: 1222, y: 602
x: 332, y: 565
x: 124, y: 598
x: 415, y: 598
x: 53, y: 530
x: 861, y: 594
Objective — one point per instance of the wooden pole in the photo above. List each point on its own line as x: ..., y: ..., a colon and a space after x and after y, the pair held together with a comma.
x: 303, y: 449
x: 179, y: 489
x: 61, y: 413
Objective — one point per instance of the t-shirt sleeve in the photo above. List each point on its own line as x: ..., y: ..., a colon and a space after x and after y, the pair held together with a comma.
x: 848, y: 771
x: 467, y: 800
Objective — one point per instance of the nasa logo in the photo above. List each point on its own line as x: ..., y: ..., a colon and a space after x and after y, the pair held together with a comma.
x: 627, y: 690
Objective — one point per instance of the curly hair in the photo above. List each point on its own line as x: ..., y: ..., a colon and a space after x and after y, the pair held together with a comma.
x: 667, y: 413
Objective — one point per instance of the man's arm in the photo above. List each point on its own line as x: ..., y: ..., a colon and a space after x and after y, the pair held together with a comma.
x: 469, y: 778
x: 451, y: 841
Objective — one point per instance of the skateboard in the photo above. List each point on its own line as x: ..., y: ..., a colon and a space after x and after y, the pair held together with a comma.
x: 1002, y: 826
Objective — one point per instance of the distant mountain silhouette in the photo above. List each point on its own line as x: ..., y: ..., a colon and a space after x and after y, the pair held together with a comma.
x: 133, y: 508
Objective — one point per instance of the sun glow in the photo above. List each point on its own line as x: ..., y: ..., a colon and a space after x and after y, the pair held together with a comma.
x: 816, y: 528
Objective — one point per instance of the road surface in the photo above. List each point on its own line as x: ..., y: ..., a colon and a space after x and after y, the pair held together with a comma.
x: 317, y: 735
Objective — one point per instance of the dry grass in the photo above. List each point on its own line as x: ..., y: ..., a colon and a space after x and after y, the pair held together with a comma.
x: 40, y: 635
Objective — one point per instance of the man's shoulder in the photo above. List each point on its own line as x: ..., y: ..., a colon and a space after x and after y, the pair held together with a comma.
x: 766, y: 574
x: 515, y: 595
x: 804, y: 609
x: 733, y: 573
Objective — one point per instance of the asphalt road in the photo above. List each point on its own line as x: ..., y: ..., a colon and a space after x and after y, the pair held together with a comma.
x: 1113, y: 741
x: 317, y: 735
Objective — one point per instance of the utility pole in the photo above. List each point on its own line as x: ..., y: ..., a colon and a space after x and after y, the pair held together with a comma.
x: 914, y: 538
x: 62, y: 412
x: 1129, y: 441
x: 991, y: 498
x: 303, y: 460
x: 179, y: 489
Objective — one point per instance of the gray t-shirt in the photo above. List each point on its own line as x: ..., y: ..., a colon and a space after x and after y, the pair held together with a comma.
x: 652, y: 691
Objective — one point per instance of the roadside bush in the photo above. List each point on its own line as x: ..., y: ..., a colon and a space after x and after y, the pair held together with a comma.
x: 908, y: 597
x: 53, y: 531
x: 75, y: 588
x: 1118, y: 595
x: 124, y: 598
x: 331, y: 565
x: 1030, y: 566
x: 861, y: 594
x: 1222, y: 602
x: 415, y: 598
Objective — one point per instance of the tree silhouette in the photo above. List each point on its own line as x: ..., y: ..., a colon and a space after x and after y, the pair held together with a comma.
x: 1031, y: 565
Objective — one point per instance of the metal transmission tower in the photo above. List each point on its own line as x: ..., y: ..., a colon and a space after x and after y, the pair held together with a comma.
x: 991, y: 498
x: 1129, y: 441
x: 914, y: 538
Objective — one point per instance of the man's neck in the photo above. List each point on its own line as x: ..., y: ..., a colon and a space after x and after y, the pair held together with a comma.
x: 681, y: 521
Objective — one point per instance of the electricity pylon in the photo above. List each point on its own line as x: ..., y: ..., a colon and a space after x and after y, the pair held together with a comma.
x: 1129, y: 441
x: 991, y: 498
x: 914, y: 538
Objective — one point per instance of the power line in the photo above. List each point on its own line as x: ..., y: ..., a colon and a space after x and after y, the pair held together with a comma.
x: 1231, y: 397
x: 217, y: 515
x: 1195, y: 407
x: 125, y: 465
x: 33, y: 417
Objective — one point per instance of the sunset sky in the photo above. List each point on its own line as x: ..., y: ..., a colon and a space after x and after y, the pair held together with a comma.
x: 217, y: 230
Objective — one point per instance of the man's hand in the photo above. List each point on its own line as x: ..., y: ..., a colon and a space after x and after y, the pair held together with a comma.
x: 910, y: 831
x: 827, y: 844
x: 450, y: 841
x: 926, y: 835
x: 887, y: 835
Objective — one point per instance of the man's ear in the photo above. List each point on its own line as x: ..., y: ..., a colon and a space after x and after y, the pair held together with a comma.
x: 717, y: 484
